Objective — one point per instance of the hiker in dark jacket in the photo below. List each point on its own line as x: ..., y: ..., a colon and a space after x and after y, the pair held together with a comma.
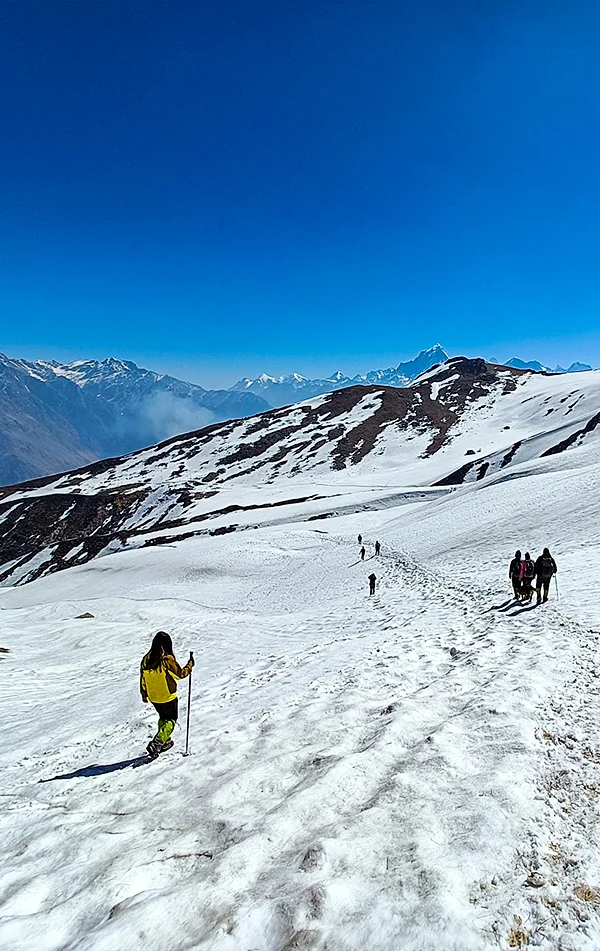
x: 363, y: 552
x: 514, y: 573
x: 527, y: 576
x: 545, y: 567
x: 372, y: 580
x: 377, y: 548
x: 360, y: 539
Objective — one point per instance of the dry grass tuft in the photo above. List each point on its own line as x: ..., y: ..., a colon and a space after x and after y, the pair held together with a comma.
x: 585, y: 892
x: 518, y: 936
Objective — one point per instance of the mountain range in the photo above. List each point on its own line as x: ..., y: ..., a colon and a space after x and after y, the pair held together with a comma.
x: 540, y: 368
x: 56, y: 416
x: 464, y: 421
x: 59, y: 416
x: 283, y: 390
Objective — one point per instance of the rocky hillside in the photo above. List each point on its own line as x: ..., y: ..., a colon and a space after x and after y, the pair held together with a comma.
x: 56, y: 416
x: 463, y: 421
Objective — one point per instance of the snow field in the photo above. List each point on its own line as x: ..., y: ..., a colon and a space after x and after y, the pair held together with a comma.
x: 379, y: 773
x: 474, y: 532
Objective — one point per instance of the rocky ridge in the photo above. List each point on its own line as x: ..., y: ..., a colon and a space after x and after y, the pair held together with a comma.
x: 228, y: 476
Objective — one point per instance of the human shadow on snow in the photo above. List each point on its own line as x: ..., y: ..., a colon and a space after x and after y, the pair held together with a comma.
x: 98, y: 769
x: 530, y: 607
x: 505, y: 606
x: 362, y: 561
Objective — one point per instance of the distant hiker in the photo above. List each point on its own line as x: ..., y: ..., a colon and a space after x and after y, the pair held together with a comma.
x: 377, y: 548
x: 527, y: 575
x: 545, y: 567
x: 372, y: 580
x: 360, y: 539
x: 363, y: 552
x: 159, y: 673
x: 514, y: 573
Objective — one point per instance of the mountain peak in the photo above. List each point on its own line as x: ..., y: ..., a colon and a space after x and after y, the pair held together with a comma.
x: 526, y: 365
x: 282, y: 390
x: 578, y: 368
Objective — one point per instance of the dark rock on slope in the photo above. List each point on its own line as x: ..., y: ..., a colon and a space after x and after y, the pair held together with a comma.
x: 66, y: 520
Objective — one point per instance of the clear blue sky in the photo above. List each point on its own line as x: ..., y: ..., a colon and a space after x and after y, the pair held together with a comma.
x: 221, y: 188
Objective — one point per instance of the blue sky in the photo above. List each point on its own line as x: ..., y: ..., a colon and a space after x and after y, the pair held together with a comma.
x: 215, y: 189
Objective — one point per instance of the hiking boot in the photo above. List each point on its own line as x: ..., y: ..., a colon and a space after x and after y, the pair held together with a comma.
x: 154, y: 748
x: 169, y: 744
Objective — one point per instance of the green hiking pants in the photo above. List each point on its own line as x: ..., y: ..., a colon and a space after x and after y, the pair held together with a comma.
x: 167, y: 718
x: 165, y: 728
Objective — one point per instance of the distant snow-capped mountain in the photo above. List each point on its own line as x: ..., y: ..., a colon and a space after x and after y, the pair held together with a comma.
x: 283, y: 390
x: 55, y: 416
x: 540, y: 368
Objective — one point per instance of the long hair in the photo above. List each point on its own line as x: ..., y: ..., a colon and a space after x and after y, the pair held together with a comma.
x: 161, y: 645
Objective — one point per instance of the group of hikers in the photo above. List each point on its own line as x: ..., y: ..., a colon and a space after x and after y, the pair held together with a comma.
x: 160, y: 671
x: 363, y: 552
x: 523, y: 571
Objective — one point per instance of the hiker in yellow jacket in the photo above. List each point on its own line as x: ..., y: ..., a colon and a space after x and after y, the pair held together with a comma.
x: 159, y: 673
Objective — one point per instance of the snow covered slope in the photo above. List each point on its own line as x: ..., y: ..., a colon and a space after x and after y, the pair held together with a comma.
x: 462, y: 421
x: 417, y: 771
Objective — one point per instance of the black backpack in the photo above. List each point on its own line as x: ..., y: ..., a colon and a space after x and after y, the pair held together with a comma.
x: 546, y: 568
x: 529, y: 569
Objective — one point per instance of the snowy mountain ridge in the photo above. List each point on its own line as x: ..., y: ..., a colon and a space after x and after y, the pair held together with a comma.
x: 540, y: 368
x: 55, y: 416
x: 461, y: 422
x: 282, y: 390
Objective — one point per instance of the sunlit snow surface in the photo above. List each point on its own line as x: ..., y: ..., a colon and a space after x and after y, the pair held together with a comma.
x: 416, y: 770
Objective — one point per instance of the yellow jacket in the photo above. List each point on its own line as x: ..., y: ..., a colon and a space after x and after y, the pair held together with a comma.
x: 159, y: 686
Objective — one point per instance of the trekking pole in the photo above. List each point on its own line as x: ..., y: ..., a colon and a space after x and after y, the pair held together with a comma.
x: 187, y: 729
x: 556, y: 583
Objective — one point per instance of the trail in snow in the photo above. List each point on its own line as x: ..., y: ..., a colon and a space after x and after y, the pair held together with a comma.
x: 395, y: 772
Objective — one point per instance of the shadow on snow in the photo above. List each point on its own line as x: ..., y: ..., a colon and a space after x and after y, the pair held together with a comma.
x: 505, y: 606
x: 530, y: 607
x: 99, y: 769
